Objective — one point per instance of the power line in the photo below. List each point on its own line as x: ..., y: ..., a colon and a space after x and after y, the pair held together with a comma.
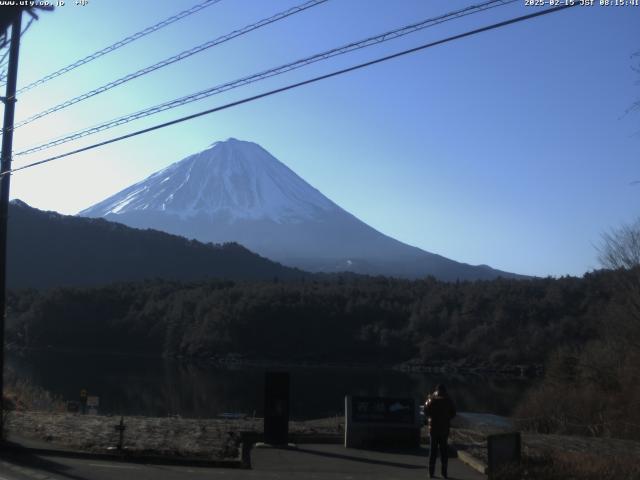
x: 4, y: 61
x: 390, y: 35
x: 27, y: 27
x: 176, y: 58
x: 298, y: 84
x: 121, y: 43
x: 24, y: 30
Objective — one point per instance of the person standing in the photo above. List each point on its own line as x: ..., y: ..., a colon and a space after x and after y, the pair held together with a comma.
x: 439, y: 410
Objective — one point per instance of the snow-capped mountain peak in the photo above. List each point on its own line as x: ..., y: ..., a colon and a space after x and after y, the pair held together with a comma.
x: 236, y: 191
x: 232, y: 178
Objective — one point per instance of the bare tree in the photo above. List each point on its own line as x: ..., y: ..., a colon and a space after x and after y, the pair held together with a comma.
x: 620, y: 250
x: 621, y: 247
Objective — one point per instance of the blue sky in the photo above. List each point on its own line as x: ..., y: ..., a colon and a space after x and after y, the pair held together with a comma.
x: 511, y: 148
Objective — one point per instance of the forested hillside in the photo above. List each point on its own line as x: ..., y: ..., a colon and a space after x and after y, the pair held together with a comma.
x: 375, y: 320
x: 46, y: 249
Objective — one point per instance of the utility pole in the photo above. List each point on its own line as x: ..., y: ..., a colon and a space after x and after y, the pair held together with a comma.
x: 5, y: 166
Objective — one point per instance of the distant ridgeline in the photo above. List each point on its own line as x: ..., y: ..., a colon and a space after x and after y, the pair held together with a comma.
x: 47, y: 249
x: 374, y: 320
x: 237, y: 191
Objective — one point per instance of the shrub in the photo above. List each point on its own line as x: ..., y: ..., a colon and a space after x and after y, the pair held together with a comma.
x: 571, y: 466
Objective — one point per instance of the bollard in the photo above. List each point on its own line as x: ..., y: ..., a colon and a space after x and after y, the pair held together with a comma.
x: 120, y: 428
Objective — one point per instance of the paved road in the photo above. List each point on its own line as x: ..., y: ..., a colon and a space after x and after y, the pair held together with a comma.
x: 318, y: 462
x: 335, y: 462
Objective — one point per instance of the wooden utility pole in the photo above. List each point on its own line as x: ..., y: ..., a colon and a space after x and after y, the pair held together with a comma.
x: 5, y: 166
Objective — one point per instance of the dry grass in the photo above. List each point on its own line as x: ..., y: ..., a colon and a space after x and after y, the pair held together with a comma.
x: 20, y: 394
x: 572, y: 466
x: 550, y: 456
x: 172, y: 436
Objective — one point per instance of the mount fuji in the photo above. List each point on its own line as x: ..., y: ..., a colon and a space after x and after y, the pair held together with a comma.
x: 237, y: 191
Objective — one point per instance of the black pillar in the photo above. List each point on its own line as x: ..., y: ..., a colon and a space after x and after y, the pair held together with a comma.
x: 276, y: 408
x: 5, y: 167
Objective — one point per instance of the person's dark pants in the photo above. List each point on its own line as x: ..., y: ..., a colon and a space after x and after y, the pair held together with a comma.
x: 438, y: 443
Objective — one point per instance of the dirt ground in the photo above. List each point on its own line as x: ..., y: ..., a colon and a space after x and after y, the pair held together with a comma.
x: 202, y: 438
x: 470, y: 433
x: 221, y: 438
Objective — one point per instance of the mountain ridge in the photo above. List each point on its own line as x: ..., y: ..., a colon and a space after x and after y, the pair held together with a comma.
x: 237, y: 191
x: 233, y: 183
x: 47, y: 249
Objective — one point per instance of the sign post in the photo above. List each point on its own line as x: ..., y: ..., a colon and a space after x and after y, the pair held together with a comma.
x: 120, y: 428
x: 83, y: 400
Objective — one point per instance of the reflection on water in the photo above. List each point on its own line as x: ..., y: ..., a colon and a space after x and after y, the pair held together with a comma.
x: 160, y: 387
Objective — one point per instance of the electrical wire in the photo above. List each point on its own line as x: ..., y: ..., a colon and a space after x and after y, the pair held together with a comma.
x: 296, y: 85
x: 121, y: 43
x: 4, y: 61
x: 390, y: 35
x: 171, y: 60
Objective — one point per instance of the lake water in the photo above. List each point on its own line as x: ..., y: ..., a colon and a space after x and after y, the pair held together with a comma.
x: 159, y: 387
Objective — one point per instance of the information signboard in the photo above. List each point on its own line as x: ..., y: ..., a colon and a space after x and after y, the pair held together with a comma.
x: 381, y: 422
x: 383, y: 410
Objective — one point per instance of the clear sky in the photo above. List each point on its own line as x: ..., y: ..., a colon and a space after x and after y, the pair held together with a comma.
x: 510, y: 148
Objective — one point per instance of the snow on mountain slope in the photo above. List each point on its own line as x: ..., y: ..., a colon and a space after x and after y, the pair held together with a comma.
x: 237, y: 191
x: 238, y: 179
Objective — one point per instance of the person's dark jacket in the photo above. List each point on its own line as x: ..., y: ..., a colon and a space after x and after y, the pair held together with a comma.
x: 439, y: 410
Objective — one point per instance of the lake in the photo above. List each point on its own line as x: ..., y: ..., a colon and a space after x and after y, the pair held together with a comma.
x: 160, y: 387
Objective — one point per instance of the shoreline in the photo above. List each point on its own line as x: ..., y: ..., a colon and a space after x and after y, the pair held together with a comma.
x: 239, y: 361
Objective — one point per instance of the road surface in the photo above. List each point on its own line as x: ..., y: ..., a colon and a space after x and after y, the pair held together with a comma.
x: 318, y: 462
